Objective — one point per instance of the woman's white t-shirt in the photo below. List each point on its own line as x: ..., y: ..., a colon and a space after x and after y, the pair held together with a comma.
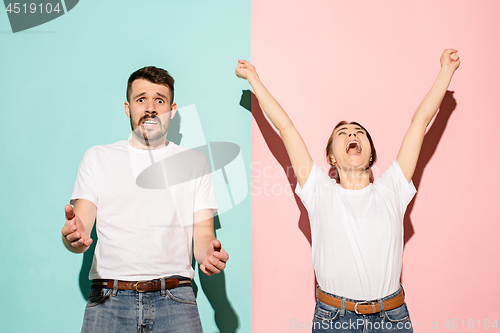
x: 357, y: 235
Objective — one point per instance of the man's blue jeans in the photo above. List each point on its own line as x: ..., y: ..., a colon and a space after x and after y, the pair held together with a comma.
x: 170, y: 310
x: 331, y: 319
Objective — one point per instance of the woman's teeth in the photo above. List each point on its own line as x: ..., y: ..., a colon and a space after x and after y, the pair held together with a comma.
x: 352, y: 145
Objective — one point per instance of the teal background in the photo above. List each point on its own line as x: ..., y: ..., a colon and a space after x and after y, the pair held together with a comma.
x: 63, y: 87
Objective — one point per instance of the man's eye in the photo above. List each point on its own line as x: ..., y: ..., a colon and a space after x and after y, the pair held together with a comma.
x: 341, y: 133
x: 160, y: 101
x: 361, y: 132
x: 140, y: 100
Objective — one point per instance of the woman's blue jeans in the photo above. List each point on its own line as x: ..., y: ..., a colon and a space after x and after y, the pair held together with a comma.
x: 170, y: 310
x: 331, y: 319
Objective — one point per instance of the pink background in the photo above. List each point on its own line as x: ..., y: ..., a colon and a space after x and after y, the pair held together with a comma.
x: 373, y: 62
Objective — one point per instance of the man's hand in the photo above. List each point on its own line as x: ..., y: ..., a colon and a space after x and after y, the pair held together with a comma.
x: 74, y: 232
x: 244, y: 70
x: 450, y: 60
x: 215, y: 259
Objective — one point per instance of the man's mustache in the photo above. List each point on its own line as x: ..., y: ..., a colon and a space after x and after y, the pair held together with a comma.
x: 149, y: 117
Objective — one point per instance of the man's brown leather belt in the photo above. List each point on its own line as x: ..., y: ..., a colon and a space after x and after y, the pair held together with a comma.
x: 142, y: 286
x: 362, y: 307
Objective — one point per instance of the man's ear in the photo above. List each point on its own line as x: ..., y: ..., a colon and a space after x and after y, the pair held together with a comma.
x: 127, y: 108
x: 173, y: 110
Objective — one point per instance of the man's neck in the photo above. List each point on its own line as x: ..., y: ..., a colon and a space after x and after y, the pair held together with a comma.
x: 148, y: 145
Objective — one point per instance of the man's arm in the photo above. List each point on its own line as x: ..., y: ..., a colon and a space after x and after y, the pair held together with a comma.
x: 79, y: 223
x: 207, y: 249
x: 412, y: 142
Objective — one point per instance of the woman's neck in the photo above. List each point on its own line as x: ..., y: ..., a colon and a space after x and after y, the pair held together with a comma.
x: 354, y: 179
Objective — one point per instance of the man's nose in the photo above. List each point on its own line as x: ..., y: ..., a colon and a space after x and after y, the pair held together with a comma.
x: 352, y: 134
x: 151, y: 108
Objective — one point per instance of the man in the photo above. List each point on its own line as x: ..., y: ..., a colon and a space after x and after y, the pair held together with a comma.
x: 153, y: 204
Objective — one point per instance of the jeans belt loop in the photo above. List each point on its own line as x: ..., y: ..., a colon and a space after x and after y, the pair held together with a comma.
x: 163, y: 287
x: 381, y: 305
x: 115, y: 287
x: 342, y: 308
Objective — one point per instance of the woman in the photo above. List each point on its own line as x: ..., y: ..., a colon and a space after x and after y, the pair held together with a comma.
x: 356, y: 226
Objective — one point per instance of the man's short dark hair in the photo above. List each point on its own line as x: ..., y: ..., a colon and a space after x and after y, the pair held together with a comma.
x: 153, y: 75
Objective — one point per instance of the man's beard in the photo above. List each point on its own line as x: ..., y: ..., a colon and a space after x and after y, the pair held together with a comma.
x: 148, y: 135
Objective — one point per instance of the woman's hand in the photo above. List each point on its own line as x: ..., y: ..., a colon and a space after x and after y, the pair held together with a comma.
x: 450, y: 60
x: 244, y: 70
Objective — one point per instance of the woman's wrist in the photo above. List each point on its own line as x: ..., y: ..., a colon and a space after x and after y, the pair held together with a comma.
x: 253, y: 78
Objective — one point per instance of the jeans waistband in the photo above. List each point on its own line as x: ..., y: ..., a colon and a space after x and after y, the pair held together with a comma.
x: 394, y: 294
x: 389, y: 302
x: 142, y: 286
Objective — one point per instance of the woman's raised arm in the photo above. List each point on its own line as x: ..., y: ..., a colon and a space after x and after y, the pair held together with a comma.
x: 295, y: 146
x: 412, y: 142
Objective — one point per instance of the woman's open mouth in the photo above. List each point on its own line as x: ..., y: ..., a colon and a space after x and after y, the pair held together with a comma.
x: 353, y: 147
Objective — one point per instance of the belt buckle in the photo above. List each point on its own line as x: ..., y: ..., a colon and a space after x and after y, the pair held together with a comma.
x: 137, y: 286
x: 362, y: 303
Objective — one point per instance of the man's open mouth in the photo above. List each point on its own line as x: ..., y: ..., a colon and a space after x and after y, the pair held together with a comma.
x: 149, y: 122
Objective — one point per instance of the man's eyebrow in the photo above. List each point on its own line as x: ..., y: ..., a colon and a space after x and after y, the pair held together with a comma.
x: 342, y: 128
x: 141, y: 94
x: 159, y: 94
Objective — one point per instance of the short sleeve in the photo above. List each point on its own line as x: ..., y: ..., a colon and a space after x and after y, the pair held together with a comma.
x: 314, y: 186
x: 204, y: 196
x: 85, y: 187
x: 394, y: 181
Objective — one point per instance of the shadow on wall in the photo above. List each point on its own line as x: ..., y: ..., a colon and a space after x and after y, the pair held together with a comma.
x: 88, y: 256
x: 275, y: 144
x: 431, y: 141
x: 277, y: 147
x: 213, y: 287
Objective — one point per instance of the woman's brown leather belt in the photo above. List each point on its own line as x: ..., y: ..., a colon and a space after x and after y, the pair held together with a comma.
x: 142, y: 286
x: 362, y: 307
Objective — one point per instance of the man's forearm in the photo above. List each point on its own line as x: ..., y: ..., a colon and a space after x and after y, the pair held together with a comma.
x: 201, y: 246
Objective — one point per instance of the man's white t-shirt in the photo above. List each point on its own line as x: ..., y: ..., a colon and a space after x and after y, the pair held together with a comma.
x: 145, y: 203
x: 357, y: 235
